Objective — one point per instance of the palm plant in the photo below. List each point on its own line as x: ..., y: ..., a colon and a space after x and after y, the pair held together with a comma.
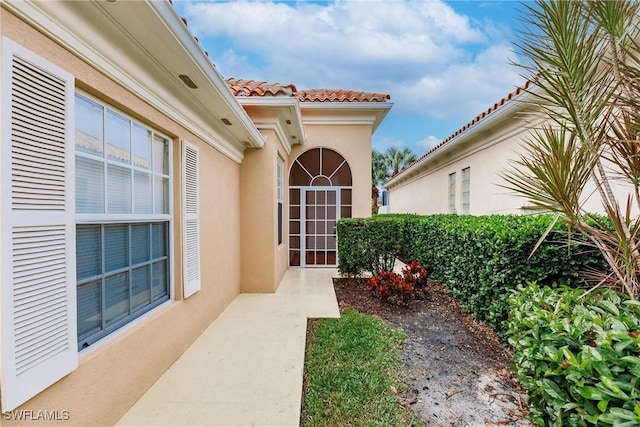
x: 399, y: 158
x: 583, y: 65
x: 384, y: 166
x: 379, y: 168
x: 379, y: 174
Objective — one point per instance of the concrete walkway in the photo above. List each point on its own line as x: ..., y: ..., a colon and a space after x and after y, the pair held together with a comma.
x: 246, y: 368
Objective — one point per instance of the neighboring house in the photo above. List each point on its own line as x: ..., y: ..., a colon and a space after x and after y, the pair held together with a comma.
x: 141, y: 193
x: 462, y: 174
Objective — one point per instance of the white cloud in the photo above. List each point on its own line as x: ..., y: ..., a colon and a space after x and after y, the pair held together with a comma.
x: 429, y: 142
x: 432, y: 61
x: 465, y: 89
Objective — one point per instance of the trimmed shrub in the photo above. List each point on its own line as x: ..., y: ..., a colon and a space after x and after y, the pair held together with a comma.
x: 578, y: 359
x: 365, y: 242
x: 479, y: 259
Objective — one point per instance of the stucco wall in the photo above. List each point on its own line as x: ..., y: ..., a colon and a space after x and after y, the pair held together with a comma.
x: 114, y: 372
x: 487, y: 155
x: 282, y: 251
x: 264, y: 262
x: 353, y: 142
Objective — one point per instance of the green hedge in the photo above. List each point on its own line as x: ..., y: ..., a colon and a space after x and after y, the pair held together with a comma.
x: 478, y: 258
x: 578, y: 359
x: 363, y: 242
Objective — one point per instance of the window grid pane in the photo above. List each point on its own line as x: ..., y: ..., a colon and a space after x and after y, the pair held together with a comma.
x: 133, y: 179
x: 118, y: 190
x: 452, y: 192
x: 89, y: 133
x: 141, y: 138
x: 118, y: 137
x: 466, y: 184
x: 122, y: 287
x: 89, y: 186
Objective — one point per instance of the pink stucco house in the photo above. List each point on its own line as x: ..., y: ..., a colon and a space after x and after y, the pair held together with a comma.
x: 142, y: 192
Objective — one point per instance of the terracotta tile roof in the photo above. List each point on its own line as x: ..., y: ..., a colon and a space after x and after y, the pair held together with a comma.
x: 340, y: 95
x: 473, y: 122
x: 241, y: 87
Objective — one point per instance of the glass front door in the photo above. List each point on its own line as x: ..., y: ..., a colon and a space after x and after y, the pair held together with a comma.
x: 320, y: 209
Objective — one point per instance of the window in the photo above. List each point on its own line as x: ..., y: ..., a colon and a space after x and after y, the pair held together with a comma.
x: 280, y: 196
x: 452, y: 192
x: 466, y: 182
x: 122, y: 216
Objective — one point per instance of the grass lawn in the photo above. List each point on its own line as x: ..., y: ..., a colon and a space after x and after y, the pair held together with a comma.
x: 352, y: 374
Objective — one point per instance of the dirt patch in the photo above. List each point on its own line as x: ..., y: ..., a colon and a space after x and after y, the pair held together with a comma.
x: 457, y: 371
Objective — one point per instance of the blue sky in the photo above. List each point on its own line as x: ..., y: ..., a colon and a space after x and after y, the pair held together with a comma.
x: 442, y: 62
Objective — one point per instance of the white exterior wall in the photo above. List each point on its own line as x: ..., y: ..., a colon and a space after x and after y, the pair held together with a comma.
x: 486, y: 155
x: 487, y: 152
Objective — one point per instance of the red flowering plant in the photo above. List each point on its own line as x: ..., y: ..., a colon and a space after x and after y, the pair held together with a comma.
x: 391, y: 287
x: 418, y: 276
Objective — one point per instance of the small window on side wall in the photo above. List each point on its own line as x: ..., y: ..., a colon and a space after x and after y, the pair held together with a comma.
x: 280, y: 197
x: 466, y: 186
x: 452, y: 192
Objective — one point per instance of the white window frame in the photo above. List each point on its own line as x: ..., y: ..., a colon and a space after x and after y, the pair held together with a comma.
x: 466, y: 187
x: 108, y: 217
x: 452, y: 192
x: 132, y: 218
x: 280, y: 199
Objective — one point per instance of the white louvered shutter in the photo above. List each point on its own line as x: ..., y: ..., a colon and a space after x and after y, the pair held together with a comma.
x: 190, y: 191
x: 38, y: 295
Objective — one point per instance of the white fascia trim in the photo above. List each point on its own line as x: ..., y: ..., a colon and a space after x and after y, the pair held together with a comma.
x: 291, y: 104
x: 366, y: 120
x: 377, y: 112
x: 57, y: 32
x: 511, y: 107
x: 268, y: 101
x: 276, y: 127
x: 168, y: 15
x: 346, y: 105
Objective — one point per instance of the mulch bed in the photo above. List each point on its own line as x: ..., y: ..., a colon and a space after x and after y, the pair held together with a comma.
x: 457, y: 371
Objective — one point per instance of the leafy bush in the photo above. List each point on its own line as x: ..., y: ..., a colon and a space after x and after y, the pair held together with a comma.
x: 391, y: 287
x: 399, y: 289
x: 365, y: 242
x: 477, y: 258
x: 579, y: 359
x: 418, y: 276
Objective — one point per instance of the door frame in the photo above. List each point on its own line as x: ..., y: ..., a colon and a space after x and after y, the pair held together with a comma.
x: 303, y: 223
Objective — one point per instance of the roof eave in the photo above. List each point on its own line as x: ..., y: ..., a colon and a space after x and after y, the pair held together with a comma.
x: 168, y: 13
x: 369, y: 113
x: 109, y: 37
x: 505, y: 111
x: 288, y: 124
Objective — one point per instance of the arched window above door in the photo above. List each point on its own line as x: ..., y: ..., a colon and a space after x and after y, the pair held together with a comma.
x: 320, y: 167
